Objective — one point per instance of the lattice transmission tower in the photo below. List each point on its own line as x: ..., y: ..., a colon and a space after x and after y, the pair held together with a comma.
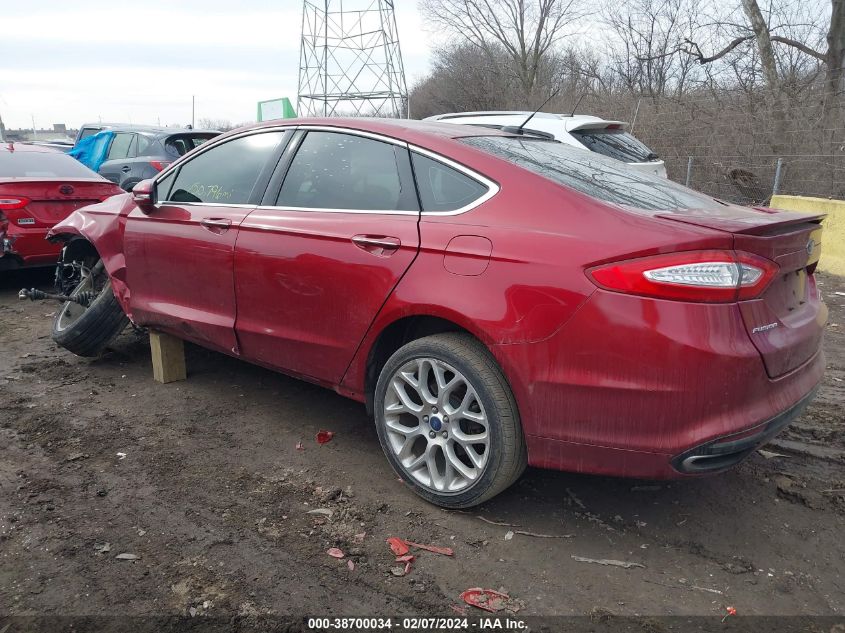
x: 350, y: 62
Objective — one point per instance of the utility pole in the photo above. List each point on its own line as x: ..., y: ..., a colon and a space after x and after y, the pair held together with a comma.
x: 193, y: 110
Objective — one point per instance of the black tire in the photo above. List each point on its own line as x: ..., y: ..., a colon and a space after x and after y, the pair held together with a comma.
x: 506, y: 453
x: 96, y: 326
x: 129, y: 184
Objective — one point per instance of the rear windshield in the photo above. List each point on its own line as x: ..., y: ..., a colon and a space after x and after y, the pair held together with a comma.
x: 593, y: 175
x: 184, y: 143
x: 615, y: 143
x: 42, y: 165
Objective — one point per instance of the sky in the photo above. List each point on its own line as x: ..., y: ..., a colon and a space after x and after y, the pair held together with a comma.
x: 84, y: 61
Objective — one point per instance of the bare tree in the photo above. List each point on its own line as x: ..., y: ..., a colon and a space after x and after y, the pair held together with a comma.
x: 527, y: 30
x: 643, y: 44
x: 760, y: 29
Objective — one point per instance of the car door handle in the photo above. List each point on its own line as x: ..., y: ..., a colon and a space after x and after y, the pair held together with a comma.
x: 126, y: 169
x: 216, y: 225
x: 377, y: 244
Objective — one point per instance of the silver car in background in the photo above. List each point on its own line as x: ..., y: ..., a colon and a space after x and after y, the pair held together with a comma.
x: 610, y: 138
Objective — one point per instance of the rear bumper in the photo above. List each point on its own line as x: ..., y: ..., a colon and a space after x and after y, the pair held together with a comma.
x: 725, y: 452
x: 634, y: 387
x: 24, y: 247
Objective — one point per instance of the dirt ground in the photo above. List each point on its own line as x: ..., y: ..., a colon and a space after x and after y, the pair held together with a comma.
x: 203, y: 482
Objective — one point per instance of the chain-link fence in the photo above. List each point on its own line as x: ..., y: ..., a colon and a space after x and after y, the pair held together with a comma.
x: 743, y: 149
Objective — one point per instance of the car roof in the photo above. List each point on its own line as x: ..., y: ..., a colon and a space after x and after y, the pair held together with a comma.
x: 404, y: 129
x: 155, y: 130
x: 13, y: 147
x: 525, y: 113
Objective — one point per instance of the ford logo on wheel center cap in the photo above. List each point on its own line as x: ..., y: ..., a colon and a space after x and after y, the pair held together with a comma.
x: 435, y: 423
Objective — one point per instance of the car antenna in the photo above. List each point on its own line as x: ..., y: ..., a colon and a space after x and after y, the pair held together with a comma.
x: 577, y: 104
x: 518, y: 129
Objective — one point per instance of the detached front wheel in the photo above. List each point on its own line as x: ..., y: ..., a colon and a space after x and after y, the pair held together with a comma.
x: 86, y: 327
x: 448, y: 422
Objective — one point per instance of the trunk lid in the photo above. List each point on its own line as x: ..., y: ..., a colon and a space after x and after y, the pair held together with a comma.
x: 786, y: 322
x: 52, y: 200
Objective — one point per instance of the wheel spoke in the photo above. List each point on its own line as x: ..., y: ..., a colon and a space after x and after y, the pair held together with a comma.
x: 431, y: 463
x: 410, y: 405
x: 397, y: 427
x: 454, y: 462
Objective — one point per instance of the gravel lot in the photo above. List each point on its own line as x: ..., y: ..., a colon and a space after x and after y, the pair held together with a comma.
x: 204, y: 483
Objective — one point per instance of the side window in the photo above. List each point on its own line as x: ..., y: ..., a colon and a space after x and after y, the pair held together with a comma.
x: 224, y: 174
x: 341, y: 171
x: 143, y: 144
x: 163, y: 187
x: 119, y: 146
x: 133, y: 147
x: 443, y: 188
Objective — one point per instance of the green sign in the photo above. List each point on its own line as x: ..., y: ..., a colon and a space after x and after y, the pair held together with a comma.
x: 275, y: 109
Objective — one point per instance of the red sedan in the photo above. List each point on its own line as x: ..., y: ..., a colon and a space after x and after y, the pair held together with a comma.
x: 495, y: 299
x: 40, y: 186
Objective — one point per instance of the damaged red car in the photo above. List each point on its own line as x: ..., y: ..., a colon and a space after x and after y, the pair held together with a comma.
x: 40, y: 186
x: 496, y: 299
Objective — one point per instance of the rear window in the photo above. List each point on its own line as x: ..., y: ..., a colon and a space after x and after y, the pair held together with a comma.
x: 615, y: 143
x: 184, y: 143
x: 593, y: 175
x: 42, y: 165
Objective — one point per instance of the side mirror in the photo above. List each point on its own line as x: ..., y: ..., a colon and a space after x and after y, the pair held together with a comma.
x: 143, y: 195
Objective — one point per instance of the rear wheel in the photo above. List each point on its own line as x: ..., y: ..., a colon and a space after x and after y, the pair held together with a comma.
x: 86, y: 328
x: 448, y: 422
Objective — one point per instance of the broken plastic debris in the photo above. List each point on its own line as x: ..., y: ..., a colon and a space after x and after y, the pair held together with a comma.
x: 324, y: 437
x: 607, y: 561
x: 334, y: 552
x: 730, y: 611
x: 127, y: 557
x: 446, y: 551
x: 121, y: 455
x: 322, y: 511
x: 508, y: 535
x: 398, y: 546
x: 486, y: 599
x: 350, y: 565
x: 407, y: 558
x: 300, y: 446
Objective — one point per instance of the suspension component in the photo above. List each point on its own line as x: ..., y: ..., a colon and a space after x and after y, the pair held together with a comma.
x: 33, y: 294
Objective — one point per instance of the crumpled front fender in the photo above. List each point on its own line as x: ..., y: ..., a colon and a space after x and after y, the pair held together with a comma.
x: 102, y: 225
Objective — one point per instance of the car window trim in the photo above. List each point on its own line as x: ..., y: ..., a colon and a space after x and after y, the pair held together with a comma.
x: 493, y: 187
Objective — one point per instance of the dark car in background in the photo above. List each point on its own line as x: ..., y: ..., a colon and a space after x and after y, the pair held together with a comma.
x: 138, y: 152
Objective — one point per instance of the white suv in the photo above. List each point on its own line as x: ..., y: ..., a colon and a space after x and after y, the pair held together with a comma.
x: 609, y: 138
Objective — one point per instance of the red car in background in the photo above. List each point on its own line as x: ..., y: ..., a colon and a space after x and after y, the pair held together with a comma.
x: 495, y: 299
x: 40, y: 186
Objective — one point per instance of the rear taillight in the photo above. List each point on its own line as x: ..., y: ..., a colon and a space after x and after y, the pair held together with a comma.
x: 705, y: 276
x: 158, y: 165
x: 12, y: 203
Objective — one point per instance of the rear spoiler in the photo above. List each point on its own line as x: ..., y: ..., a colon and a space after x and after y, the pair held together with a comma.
x: 571, y: 126
x: 765, y: 221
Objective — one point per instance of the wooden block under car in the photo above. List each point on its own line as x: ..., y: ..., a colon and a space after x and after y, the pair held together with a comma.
x: 168, y: 357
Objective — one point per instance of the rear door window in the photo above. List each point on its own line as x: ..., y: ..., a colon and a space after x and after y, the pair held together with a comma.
x: 225, y: 174
x: 616, y: 143
x: 342, y: 171
x: 443, y: 188
x: 119, y: 147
